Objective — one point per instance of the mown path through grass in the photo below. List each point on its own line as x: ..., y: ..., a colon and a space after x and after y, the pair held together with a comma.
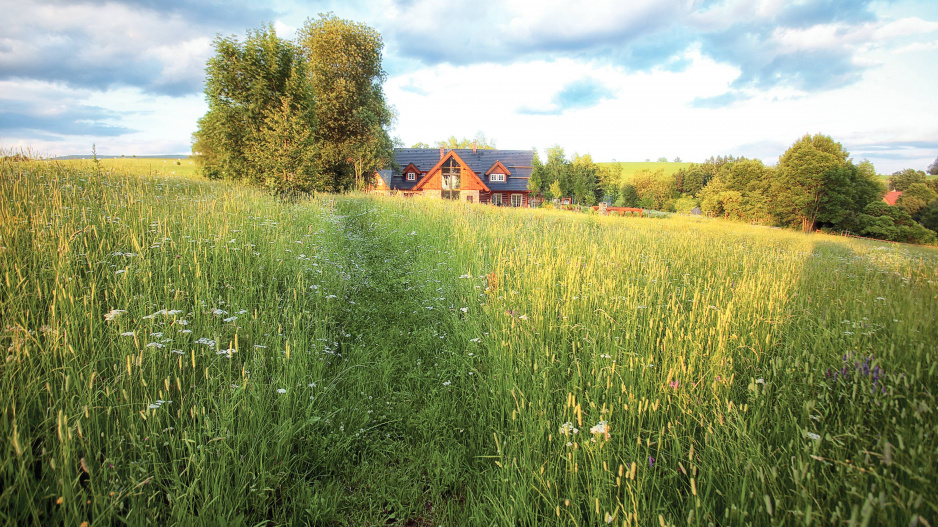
x: 412, y: 453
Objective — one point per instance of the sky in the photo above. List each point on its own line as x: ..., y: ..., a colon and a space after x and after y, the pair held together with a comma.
x: 623, y: 81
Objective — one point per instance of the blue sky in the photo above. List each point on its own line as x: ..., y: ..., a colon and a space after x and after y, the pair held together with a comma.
x: 624, y: 81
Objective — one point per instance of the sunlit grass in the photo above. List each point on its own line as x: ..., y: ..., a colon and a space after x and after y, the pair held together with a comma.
x: 185, y: 351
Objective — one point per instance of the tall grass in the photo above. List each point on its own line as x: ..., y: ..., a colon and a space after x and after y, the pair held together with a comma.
x: 188, y: 352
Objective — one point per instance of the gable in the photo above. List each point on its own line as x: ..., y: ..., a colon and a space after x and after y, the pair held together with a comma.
x: 433, y: 179
x: 411, y: 169
x: 498, y: 168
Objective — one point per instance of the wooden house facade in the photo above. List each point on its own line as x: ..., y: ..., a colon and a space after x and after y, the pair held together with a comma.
x: 497, y: 177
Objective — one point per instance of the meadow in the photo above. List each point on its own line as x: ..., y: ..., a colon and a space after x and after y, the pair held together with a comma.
x: 190, y: 352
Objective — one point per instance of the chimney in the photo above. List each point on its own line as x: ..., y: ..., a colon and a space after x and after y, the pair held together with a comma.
x: 474, y: 147
x: 442, y: 151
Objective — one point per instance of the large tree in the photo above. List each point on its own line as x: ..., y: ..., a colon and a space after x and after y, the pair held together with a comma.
x: 345, y: 72
x: 808, y: 179
x: 258, y: 99
x: 933, y: 168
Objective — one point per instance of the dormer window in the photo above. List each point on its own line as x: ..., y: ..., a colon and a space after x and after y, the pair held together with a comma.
x: 411, y: 176
x: 495, y: 178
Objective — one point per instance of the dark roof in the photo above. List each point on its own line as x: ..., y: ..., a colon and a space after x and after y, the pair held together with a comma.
x: 518, y: 162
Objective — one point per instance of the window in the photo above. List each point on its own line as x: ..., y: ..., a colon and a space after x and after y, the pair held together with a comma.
x: 411, y: 176
x: 516, y: 200
x: 496, y: 177
x: 496, y: 199
x: 451, y: 179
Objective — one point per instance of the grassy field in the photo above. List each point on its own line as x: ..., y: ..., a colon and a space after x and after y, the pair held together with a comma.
x: 182, y: 351
x: 136, y: 165
x: 630, y: 168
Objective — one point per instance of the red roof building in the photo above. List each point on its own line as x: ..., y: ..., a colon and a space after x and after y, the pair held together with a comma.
x: 892, y: 196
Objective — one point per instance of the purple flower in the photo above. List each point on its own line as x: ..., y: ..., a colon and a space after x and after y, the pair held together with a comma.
x: 651, y: 462
x: 675, y: 383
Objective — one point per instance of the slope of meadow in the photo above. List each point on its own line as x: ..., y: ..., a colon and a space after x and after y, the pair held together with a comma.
x: 630, y: 168
x: 190, y: 352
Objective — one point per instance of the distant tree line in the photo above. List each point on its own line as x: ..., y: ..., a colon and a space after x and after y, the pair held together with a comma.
x: 815, y: 185
x: 300, y: 115
x: 480, y: 142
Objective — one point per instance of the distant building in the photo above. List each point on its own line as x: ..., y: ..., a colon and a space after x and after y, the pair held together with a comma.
x: 892, y: 196
x: 498, y: 177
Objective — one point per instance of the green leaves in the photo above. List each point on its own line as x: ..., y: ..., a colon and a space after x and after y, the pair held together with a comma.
x: 298, y: 116
x: 345, y: 73
x: 259, y: 120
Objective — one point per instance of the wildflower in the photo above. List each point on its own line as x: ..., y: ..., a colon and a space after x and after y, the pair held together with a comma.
x: 605, y: 356
x: 651, y: 462
x: 674, y: 384
x: 601, y: 428
x: 127, y: 334
x: 464, y: 309
x: 156, y: 345
x: 566, y: 428
x: 447, y: 383
x: 474, y: 340
x: 230, y: 319
x: 120, y: 271
x: 112, y: 314
x: 281, y: 390
x: 812, y: 435
x: 523, y: 317
x: 760, y: 381
x: 157, y: 404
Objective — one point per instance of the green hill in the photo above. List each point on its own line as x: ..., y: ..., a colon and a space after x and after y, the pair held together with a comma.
x: 630, y: 168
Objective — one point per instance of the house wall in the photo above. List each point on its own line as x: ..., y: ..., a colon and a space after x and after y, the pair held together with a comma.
x: 433, y: 193
x: 486, y: 197
x: 469, y: 195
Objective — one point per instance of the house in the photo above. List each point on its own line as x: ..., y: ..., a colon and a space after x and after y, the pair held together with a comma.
x: 892, y: 196
x: 497, y: 177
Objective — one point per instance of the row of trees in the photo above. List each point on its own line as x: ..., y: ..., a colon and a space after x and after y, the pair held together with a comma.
x: 300, y: 115
x: 480, y: 142
x: 579, y: 178
x: 815, y: 185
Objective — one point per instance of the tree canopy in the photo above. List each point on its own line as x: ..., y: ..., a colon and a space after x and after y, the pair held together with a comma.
x: 559, y: 177
x: 346, y: 76
x: 296, y: 116
x: 903, y: 179
x: 257, y: 97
